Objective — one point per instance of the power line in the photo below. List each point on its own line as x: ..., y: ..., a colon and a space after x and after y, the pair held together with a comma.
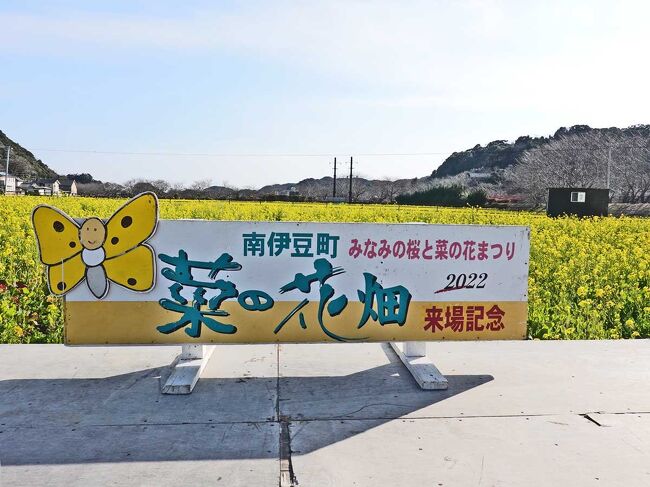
x: 350, y: 192
x: 488, y: 150
x: 334, y: 189
x: 235, y: 154
x: 7, y: 168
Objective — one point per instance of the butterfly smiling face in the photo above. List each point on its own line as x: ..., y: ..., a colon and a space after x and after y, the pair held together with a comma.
x: 99, y: 252
x: 92, y: 234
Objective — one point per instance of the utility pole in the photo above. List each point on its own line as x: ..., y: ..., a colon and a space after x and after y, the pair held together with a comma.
x: 609, y: 163
x: 350, y: 192
x: 7, y: 167
x: 334, y: 190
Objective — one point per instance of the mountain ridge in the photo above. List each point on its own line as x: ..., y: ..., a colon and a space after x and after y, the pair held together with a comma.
x: 470, y: 168
x: 500, y: 154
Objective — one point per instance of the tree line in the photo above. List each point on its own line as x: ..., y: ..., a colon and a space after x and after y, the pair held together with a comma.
x: 596, y: 159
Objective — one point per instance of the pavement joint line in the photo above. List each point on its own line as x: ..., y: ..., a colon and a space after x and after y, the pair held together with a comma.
x: 132, y: 425
x: 475, y: 416
x: 287, y: 474
x: 625, y: 412
x: 277, y: 381
x: 290, y: 419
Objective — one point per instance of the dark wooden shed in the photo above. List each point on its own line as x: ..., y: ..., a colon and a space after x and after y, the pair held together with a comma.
x: 577, y: 201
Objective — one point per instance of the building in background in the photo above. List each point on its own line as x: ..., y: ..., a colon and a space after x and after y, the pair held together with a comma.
x: 13, y: 182
x: 34, y: 189
x: 68, y: 187
x: 51, y: 187
x: 38, y: 187
x: 577, y: 201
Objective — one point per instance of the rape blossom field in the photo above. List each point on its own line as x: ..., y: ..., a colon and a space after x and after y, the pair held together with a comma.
x: 589, y: 278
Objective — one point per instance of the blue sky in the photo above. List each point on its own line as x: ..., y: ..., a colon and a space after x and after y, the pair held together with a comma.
x: 251, y: 85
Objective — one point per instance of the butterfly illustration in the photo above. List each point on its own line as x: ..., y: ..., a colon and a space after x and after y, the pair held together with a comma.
x: 96, y: 251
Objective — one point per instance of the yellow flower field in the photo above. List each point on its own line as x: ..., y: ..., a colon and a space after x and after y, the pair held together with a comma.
x: 589, y: 278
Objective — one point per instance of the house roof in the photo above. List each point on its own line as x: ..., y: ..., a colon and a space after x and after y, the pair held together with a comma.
x: 33, y: 184
x: 66, y: 184
x: 45, y: 181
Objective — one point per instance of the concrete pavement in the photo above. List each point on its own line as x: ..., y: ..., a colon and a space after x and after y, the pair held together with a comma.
x: 516, y: 413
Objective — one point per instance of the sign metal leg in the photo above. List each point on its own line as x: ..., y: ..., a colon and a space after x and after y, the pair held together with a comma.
x: 414, y: 356
x: 187, y: 369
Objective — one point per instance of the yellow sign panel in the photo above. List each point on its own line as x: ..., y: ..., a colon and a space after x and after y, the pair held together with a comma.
x: 96, y: 323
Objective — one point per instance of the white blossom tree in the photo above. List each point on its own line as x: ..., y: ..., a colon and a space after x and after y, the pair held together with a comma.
x: 581, y: 161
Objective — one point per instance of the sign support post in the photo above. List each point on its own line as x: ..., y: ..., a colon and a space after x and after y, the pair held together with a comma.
x: 189, y: 365
x: 187, y: 369
x: 414, y: 357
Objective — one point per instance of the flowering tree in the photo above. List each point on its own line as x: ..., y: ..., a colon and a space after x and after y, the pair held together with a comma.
x: 581, y: 161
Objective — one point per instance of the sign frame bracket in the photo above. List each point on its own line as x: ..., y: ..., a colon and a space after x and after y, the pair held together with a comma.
x: 414, y: 357
x: 189, y: 365
x: 187, y: 368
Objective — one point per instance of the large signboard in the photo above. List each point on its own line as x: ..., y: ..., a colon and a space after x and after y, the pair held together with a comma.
x: 135, y: 280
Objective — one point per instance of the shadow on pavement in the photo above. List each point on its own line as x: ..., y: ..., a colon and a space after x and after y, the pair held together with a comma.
x: 125, y: 418
x: 384, y: 392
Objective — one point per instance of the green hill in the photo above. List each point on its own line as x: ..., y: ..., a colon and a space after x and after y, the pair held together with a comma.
x: 22, y: 162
